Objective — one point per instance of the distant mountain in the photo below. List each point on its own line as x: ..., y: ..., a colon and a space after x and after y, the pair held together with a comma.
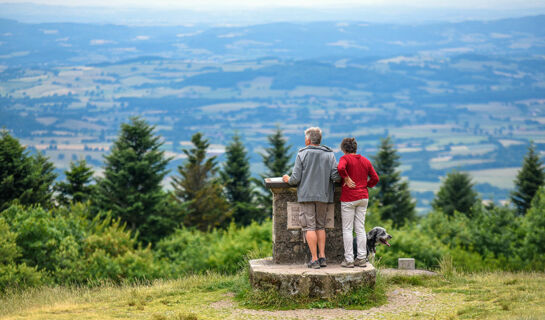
x: 75, y: 44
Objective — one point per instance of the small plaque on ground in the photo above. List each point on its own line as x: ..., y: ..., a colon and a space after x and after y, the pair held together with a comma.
x: 294, y: 209
x: 405, y: 264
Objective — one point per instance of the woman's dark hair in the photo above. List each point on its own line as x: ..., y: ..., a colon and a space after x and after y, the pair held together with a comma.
x: 349, y: 145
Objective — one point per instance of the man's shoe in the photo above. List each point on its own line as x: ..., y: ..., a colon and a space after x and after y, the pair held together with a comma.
x: 360, y: 263
x: 314, y: 264
x: 346, y: 264
x: 322, y: 262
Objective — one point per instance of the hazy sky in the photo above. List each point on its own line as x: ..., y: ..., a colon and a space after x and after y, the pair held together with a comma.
x: 241, y: 4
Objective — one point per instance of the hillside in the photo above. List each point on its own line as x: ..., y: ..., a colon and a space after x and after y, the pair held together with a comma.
x: 466, y: 95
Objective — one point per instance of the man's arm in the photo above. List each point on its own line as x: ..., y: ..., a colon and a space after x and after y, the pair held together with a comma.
x: 296, y: 173
x: 334, y: 173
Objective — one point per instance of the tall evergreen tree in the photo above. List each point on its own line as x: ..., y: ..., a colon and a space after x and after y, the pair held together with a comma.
x: 456, y: 194
x: 198, y: 190
x: 394, y: 197
x: 78, y: 187
x: 277, y: 158
x: 528, y: 181
x: 23, y: 178
x: 238, y: 185
x: 131, y: 186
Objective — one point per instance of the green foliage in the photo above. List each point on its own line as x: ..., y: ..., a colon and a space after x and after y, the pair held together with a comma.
x: 65, y: 246
x: 77, y: 188
x: 277, y: 158
x: 192, y: 251
x: 528, y: 181
x: 238, y: 185
x: 13, y: 275
x: 24, y: 179
x: 533, y: 243
x: 456, y: 194
x: 394, y: 197
x: 198, y: 191
x: 131, y: 187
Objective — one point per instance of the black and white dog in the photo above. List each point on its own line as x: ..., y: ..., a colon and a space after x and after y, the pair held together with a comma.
x: 376, y: 236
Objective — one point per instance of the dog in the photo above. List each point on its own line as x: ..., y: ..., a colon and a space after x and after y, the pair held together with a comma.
x: 376, y: 236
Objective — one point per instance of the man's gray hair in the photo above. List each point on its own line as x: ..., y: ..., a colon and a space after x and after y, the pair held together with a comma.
x: 314, y: 135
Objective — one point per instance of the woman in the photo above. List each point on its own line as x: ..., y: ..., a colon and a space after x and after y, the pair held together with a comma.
x: 358, y: 174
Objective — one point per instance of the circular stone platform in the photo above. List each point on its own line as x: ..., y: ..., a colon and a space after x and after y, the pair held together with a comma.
x: 297, y: 279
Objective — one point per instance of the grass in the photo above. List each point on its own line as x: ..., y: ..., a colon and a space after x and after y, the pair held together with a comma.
x: 452, y: 295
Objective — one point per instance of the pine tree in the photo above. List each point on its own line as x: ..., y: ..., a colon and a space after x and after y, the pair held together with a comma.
x: 238, y: 185
x: 528, y: 181
x: 456, y: 194
x: 198, y: 190
x: 131, y: 187
x: 78, y: 187
x: 394, y: 197
x: 278, y: 161
x: 23, y: 178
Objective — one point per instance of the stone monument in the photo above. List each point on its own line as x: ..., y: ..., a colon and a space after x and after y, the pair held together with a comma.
x: 286, y: 270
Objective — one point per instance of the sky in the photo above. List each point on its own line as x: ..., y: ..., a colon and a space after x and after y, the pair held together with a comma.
x: 247, y: 4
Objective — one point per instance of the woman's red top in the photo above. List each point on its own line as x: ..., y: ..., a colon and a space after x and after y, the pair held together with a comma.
x: 361, y: 171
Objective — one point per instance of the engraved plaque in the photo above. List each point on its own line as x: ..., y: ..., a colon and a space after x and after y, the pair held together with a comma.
x: 294, y: 209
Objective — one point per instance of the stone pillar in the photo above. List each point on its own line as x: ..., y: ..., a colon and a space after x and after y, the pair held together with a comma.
x: 288, y: 245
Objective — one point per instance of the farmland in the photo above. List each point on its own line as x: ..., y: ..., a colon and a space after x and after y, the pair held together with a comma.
x: 465, y: 99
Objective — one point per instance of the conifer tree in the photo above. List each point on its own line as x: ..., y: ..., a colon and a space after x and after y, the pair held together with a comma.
x: 77, y: 188
x: 238, y: 185
x: 23, y: 178
x: 393, y: 195
x: 131, y: 186
x: 278, y: 161
x: 528, y: 181
x: 456, y: 194
x: 198, y: 190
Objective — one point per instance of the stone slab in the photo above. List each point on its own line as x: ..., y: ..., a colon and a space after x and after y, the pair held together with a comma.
x: 405, y: 264
x: 298, y: 279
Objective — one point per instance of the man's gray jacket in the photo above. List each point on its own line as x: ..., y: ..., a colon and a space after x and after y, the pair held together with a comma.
x: 314, y: 173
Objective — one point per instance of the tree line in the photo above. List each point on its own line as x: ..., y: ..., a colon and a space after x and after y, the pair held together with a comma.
x: 125, y: 226
x: 206, y: 195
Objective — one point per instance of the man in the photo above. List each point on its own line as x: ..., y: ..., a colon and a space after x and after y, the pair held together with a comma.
x: 314, y: 173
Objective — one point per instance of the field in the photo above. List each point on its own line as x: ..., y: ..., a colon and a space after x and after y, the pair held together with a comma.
x: 213, y: 296
x: 449, y: 102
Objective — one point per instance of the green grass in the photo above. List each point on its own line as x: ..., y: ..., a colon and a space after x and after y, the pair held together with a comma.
x: 452, y: 295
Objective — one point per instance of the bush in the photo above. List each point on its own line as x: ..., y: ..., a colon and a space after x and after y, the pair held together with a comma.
x: 14, y: 275
x: 192, y: 251
x: 65, y: 246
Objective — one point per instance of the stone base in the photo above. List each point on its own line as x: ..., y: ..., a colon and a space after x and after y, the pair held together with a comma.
x: 297, y: 279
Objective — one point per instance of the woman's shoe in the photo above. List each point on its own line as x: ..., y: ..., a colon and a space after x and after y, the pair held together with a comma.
x: 360, y: 263
x: 346, y: 264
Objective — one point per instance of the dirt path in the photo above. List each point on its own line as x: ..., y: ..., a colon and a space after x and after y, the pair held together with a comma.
x: 400, y: 301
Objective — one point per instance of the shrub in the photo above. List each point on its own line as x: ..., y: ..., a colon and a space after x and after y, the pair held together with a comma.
x: 192, y: 251
x: 69, y: 247
x: 14, y: 275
